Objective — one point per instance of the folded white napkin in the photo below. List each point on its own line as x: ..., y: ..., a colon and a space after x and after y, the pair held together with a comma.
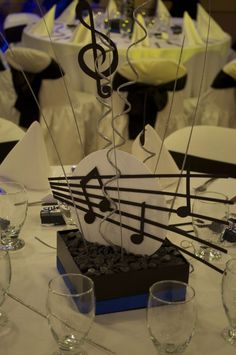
x: 162, y: 9
x: 166, y: 164
x: 215, y: 33
x: 82, y: 34
x: 27, y: 162
x: 45, y: 25
x: 112, y: 8
x: 68, y: 15
x: 190, y: 30
x: 139, y: 33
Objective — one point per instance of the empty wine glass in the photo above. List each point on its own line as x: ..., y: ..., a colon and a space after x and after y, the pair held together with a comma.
x: 5, y: 278
x: 228, y: 292
x: 13, y: 210
x: 125, y: 27
x: 171, y: 316
x: 71, y: 309
x: 206, y: 229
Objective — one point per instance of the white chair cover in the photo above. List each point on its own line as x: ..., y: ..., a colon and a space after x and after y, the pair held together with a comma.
x: 191, y: 33
x: 68, y: 15
x: 153, y: 72
x: 217, y: 106
x: 230, y: 69
x: 209, y: 142
x: 44, y: 27
x: 8, y: 97
x: 61, y: 114
x: 156, y: 72
x: 17, y: 19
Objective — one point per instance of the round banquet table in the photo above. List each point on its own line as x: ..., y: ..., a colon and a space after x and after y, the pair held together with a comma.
x: 124, y: 333
x: 59, y: 46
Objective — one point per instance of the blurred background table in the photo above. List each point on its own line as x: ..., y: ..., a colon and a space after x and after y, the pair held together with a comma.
x: 60, y: 47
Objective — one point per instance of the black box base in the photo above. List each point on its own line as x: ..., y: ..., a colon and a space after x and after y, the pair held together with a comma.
x: 122, y: 291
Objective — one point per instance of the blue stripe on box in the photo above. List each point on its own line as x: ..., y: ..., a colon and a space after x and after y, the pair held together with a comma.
x: 127, y: 303
x: 115, y: 304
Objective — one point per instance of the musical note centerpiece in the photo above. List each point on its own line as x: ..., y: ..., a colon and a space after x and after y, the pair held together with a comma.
x: 134, y: 224
x: 117, y: 200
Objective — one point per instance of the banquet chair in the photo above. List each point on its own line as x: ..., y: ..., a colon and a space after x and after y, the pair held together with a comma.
x: 217, y: 106
x: 211, y: 149
x: 150, y: 97
x: 15, y: 23
x: 68, y: 118
x: 7, y: 95
x: 10, y: 134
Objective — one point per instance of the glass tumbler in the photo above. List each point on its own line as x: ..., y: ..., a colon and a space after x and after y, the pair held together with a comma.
x: 228, y: 292
x: 171, y: 316
x: 208, y: 230
x: 71, y: 310
x: 5, y: 279
x: 13, y: 210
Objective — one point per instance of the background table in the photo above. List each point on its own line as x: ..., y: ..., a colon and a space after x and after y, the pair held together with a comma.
x: 60, y: 47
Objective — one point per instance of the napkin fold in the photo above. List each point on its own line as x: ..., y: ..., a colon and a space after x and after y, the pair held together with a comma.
x: 138, y: 32
x: 45, y: 25
x: 190, y: 30
x: 111, y: 8
x: 162, y: 9
x: 27, y: 162
x: 153, y: 143
x: 82, y: 34
x: 215, y: 33
x: 68, y: 15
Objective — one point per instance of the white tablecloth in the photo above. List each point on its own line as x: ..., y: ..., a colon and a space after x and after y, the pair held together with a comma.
x: 192, y: 56
x: 125, y: 332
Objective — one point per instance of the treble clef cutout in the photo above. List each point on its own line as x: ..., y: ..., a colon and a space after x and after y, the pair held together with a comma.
x: 104, y: 91
x: 137, y: 238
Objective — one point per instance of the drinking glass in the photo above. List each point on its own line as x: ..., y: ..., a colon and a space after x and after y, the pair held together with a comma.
x: 71, y: 309
x: 5, y: 278
x: 13, y: 210
x: 163, y: 23
x: 171, y: 316
x: 228, y: 292
x: 125, y: 27
x: 210, y: 231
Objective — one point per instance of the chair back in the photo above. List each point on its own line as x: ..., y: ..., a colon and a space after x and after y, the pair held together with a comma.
x: 211, y: 150
x: 29, y: 67
x: 149, y: 95
x: 15, y: 23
